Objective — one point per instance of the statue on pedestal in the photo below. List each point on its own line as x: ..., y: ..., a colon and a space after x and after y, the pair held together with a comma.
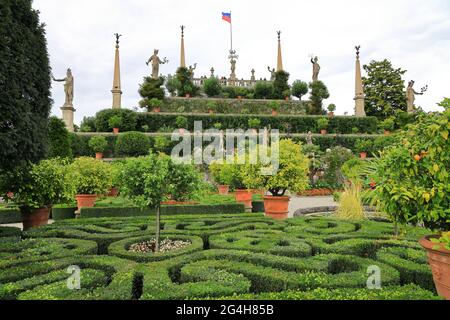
x: 316, y: 68
x: 192, y: 69
x: 253, y: 78
x: 156, y: 61
x: 272, y: 73
x: 411, y: 95
x: 68, y: 87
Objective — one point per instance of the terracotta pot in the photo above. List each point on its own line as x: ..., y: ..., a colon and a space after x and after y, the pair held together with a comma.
x: 36, y: 218
x: 223, y: 189
x: 331, y: 114
x: 113, y: 192
x: 157, y: 110
x: 274, y: 113
x: 188, y: 95
x: 440, y: 266
x: 323, y: 132
x: 287, y: 98
x: 277, y: 207
x: 99, y: 156
x: 181, y: 131
x: 387, y: 133
x: 211, y: 111
x: 85, y: 200
x: 239, y: 97
x: 116, y: 130
x: 363, y: 155
x: 245, y: 197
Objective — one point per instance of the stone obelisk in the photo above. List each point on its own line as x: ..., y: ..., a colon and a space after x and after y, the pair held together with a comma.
x: 183, y: 53
x: 359, y: 89
x: 280, y: 57
x: 117, y: 90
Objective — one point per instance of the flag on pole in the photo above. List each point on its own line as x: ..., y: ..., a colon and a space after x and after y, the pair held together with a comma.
x: 226, y: 17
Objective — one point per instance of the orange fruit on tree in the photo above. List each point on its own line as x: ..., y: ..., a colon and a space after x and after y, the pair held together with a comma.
x: 417, y: 157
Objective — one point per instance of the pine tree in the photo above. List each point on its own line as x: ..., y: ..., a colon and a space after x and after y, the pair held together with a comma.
x: 384, y: 89
x: 24, y: 85
x: 59, y: 139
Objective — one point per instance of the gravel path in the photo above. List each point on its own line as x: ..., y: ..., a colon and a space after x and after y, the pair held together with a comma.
x: 309, y: 202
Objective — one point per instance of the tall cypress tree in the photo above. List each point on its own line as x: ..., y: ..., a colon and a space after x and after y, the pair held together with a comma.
x: 25, y: 83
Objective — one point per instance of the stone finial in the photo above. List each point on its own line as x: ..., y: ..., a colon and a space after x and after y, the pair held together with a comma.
x: 117, y: 39
x: 357, y: 51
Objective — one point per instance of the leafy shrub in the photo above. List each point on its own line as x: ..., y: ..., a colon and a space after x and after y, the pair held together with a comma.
x: 388, y: 124
x: 364, y: 145
x: 280, y: 84
x: 181, y: 122
x: 264, y: 90
x: 88, y: 124
x: 299, y: 89
x: 129, y: 118
x: 90, y: 176
x: 331, y: 107
x: 161, y: 143
x: 151, y: 89
x: 222, y: 173
x: 132, y: 144
x: 334, y: 159
x: 98, y: 144
x: 353, y: 169
x: 254, y: 123
x: 172, y: 85
x: 186, y: 85
x: 59, y: 139
x: 212, y: 87
x: 323, y: 123
x: 319, y: 92
x: 115, y: 122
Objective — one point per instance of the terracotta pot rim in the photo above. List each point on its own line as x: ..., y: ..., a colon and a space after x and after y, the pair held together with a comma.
x: 276, y: 198
x: 86, y: 195
x: 428, y: 245
x: 242, y: 190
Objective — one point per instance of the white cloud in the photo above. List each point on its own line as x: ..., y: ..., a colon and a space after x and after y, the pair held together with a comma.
x: 413, y: 34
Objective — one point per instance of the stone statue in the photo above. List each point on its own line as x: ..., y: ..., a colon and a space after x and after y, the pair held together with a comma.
x: 411, y: 95
x: 212, y: 72
x: 309, y: 140
x: 272, y: 73
x: 156, y: 61
x: 253, y: 78
x: 233, y: 69
x: 192, y: 69
x: 68, y: 87
x: 316, y: 68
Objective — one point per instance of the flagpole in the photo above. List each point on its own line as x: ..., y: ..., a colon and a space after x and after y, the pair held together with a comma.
x: 231, y: 30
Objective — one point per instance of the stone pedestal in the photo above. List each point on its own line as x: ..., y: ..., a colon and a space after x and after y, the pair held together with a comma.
x: 67, y: 114
x: 360, y: 106
x: 359, y: 89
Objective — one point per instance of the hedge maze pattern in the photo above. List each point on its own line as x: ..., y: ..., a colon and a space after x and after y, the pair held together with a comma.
x: 230, y: 256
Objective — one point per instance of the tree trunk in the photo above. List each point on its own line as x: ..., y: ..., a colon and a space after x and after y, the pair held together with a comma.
x: 158, y: 227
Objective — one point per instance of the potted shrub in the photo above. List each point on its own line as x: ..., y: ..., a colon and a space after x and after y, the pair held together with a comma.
x: 41, y: 186
x: 116, y: 169
x: 291, y: 175
x: 217, y: 126
x: 91, y: 178
x: 322, y: 124
x: 98, y: 144
x: 182, y: 123
x: 115, y: 122
x: 412, y: 183
x: 275, y: 105
x: 387, y: 125
x: 254, y: 124
x: 155, y: 104
x: 149, y: 181
x: 222, y: 174
x: 212, y: 107
x: 331, y: 109
x: 287, y: 94
x: 363, y: 147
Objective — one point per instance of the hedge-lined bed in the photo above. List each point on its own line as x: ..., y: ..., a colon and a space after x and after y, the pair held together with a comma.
x: 245, y: 256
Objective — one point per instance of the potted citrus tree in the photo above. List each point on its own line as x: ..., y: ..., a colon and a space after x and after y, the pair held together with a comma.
x: 387, y: 125
x: 222, y: 174
x: 182, y: 123
x: 275, y: 105
x: 44, y: 185
x: 254, y: 124
x: 322, y: 125
x: 291, y: 175
x: 331, y: 109
x: 115, y: 122
x: 363, y: 147
x: 212, y: 107
x: 155, y: 104
x: 98, y: 144
x: 91, y: 178
x: 413, y: 186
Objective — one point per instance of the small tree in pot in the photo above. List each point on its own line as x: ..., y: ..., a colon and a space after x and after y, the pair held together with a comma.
x: 331, y: 109
x: 150, y: 180
x: 222, y: 174
x: 98, y: 144
x: 322, y: 124
x: 413, y: 186
x: 91, y: 178
x: 363, y: 147
x: 115, y: 122
x: 45, y: 185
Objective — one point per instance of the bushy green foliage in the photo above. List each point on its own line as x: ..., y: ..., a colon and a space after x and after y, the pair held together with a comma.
x: 172, y: 85
x: 25, y: 101
x: 132, y: 144
x: 299, y: 89
x: 59, y: 139
x: 98, y: 144
x: 388, y: 124
x: 264, y: 90
x: 364, y: 145
x: 90, y: 176
x: 181, y: 122
x: 88, y: 124
x: 222, y: 173
x: 151, y: 89
x: 334, y: 159
x: 353, y: 169
x: 412, y: 176
x: 384, y: 89
x: 281, y: 85
x: 212, y: 87
x: 128, y: 119
x: 323, y: 123
x: 115, y: 122
x: 319, y: 92
x: 186, y: 85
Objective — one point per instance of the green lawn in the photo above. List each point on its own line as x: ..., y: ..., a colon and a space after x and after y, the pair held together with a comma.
x: 243, y: 256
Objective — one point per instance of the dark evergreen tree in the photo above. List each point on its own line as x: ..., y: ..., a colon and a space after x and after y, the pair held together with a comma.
x: 319, y: 92
x: 25, y: 101
x: 384, y: 89
x: 281, y: 84
x: 59, y: 139
x: 151, y: 89
x: 186, y: 85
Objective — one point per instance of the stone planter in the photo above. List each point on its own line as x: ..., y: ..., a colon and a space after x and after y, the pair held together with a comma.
x: 363, y: 155
x: 35, y: 218
x: 245, y: 197
x: 116, y: 130
x: 277, y: 207
x: 439, y: 261
x: 223, y: 189
x: 86, y: 200
x: 99, y: 156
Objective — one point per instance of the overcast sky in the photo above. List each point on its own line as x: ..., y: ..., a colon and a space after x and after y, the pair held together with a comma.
x: 413, y: 34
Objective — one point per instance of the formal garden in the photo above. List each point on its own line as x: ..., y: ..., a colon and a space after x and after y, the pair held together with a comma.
x: 103, y: 212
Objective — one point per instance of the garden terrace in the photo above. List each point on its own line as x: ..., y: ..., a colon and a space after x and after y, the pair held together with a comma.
x: 247, y: 256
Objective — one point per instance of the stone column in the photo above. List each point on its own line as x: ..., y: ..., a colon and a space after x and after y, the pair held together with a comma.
x: 183, y: 53
x: 280, y: 57
x: 359, y: 89
x: 67, y: 115
x: 117, y: 89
